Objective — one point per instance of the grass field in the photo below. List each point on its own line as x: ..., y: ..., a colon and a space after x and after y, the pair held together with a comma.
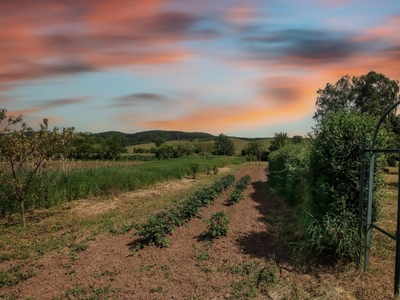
x: 68, y: 181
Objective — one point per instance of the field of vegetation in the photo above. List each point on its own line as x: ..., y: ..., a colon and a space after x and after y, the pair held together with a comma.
x: 88, y: 249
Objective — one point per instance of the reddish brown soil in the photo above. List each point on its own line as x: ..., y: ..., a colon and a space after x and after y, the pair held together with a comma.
x: 232, y: 267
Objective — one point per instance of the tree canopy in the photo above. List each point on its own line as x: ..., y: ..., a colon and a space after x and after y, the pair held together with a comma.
x: 223, y: 145
x: 371, y: 94
x: 280, y: 140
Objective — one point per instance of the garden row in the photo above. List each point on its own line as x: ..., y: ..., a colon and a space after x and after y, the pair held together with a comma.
x: 155, y: 229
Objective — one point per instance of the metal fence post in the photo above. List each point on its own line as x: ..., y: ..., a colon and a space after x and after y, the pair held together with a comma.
x: 361, y: 197
x: 397, y: 264
x: 369, y: 212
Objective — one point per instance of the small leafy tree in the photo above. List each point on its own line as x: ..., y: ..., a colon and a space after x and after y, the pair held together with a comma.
x: 24, y: 153
x: 297, y: 139
x: 112, y: 147
x: 279, y: 141
x: 159, y: 142
x: 223, y: 145
x: 255, y: 148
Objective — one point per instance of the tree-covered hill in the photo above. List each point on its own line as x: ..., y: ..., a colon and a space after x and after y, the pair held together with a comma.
x: 153, y: 135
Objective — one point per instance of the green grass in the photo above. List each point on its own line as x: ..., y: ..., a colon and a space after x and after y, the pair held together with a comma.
x: 65, y: 186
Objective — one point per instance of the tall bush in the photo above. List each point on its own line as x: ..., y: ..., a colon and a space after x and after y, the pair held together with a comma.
x: 334, y: 181
x: 288, y: 172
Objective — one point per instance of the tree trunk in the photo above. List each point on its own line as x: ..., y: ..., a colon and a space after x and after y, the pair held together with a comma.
x: 21, y: 202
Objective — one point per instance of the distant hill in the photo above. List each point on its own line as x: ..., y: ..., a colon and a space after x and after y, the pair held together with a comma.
x: 153, y: 135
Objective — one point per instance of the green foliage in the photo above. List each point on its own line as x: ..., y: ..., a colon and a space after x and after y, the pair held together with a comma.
x: 194, y: 168
x: 166, y: 151
x: 88, y: 146
x: 218, y: 226
x: 280, y: 140
x: 112, y: 147
x: 159, y: 142
x: 334, y: 179
x: 153, y: 231
x: 370, y: 94
x: 234, y: 197
x: 24, y: 153
x: 223, y: 146
x: 156, y: 227
x: 63, y: 186
x: 152, y: 136
x: 16, y: 275
x: 392, y: 161
x: 254, y: 148
x: 288, y: 172
x: 237, y: 194
x: 297, y: 139
x: 215, y: 170
x: 243, y: 182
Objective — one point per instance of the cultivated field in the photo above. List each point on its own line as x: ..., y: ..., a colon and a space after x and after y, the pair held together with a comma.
x: 84, y: 249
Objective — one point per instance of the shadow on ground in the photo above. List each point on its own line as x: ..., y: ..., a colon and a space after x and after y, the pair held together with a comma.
x: 279, y: 237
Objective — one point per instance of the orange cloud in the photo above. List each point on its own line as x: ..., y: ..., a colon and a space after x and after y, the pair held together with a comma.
x: 282, y: 100
x: 61, y: 37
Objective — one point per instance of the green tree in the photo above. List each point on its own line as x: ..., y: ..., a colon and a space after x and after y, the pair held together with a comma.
x: 371, y: 94
x: 297, y: 139
x: 280, y: 140
x: 185, y: 149
x: 255, y: 148
x: 166, y: 151
x: 159, y: 142
x: 24, y: 153
x: 112, y: 147
x: 223, y: 145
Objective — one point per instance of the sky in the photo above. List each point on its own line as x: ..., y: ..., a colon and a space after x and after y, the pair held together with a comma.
x: 243, y: 68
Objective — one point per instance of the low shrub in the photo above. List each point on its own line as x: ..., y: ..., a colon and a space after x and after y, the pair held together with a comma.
x: 234, y: 197
x: 218, y: 226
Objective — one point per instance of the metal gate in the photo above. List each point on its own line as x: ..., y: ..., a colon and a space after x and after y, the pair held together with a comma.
x: 368, y: 225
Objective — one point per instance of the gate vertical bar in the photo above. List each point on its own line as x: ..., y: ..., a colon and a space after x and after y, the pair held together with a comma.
x: 361, y: 198
x: 369, y: 212
x: 397, y: 265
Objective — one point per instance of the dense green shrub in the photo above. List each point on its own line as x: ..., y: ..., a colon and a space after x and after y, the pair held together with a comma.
x: 288, y: 172
x: 334, y: 181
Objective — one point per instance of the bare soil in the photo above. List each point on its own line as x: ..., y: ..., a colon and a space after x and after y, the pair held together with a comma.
x: 256, y: 260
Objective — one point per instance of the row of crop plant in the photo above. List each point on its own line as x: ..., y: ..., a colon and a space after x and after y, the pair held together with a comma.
x: 155, y: 229
x: 237, y: 194
x: 218, y: 223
